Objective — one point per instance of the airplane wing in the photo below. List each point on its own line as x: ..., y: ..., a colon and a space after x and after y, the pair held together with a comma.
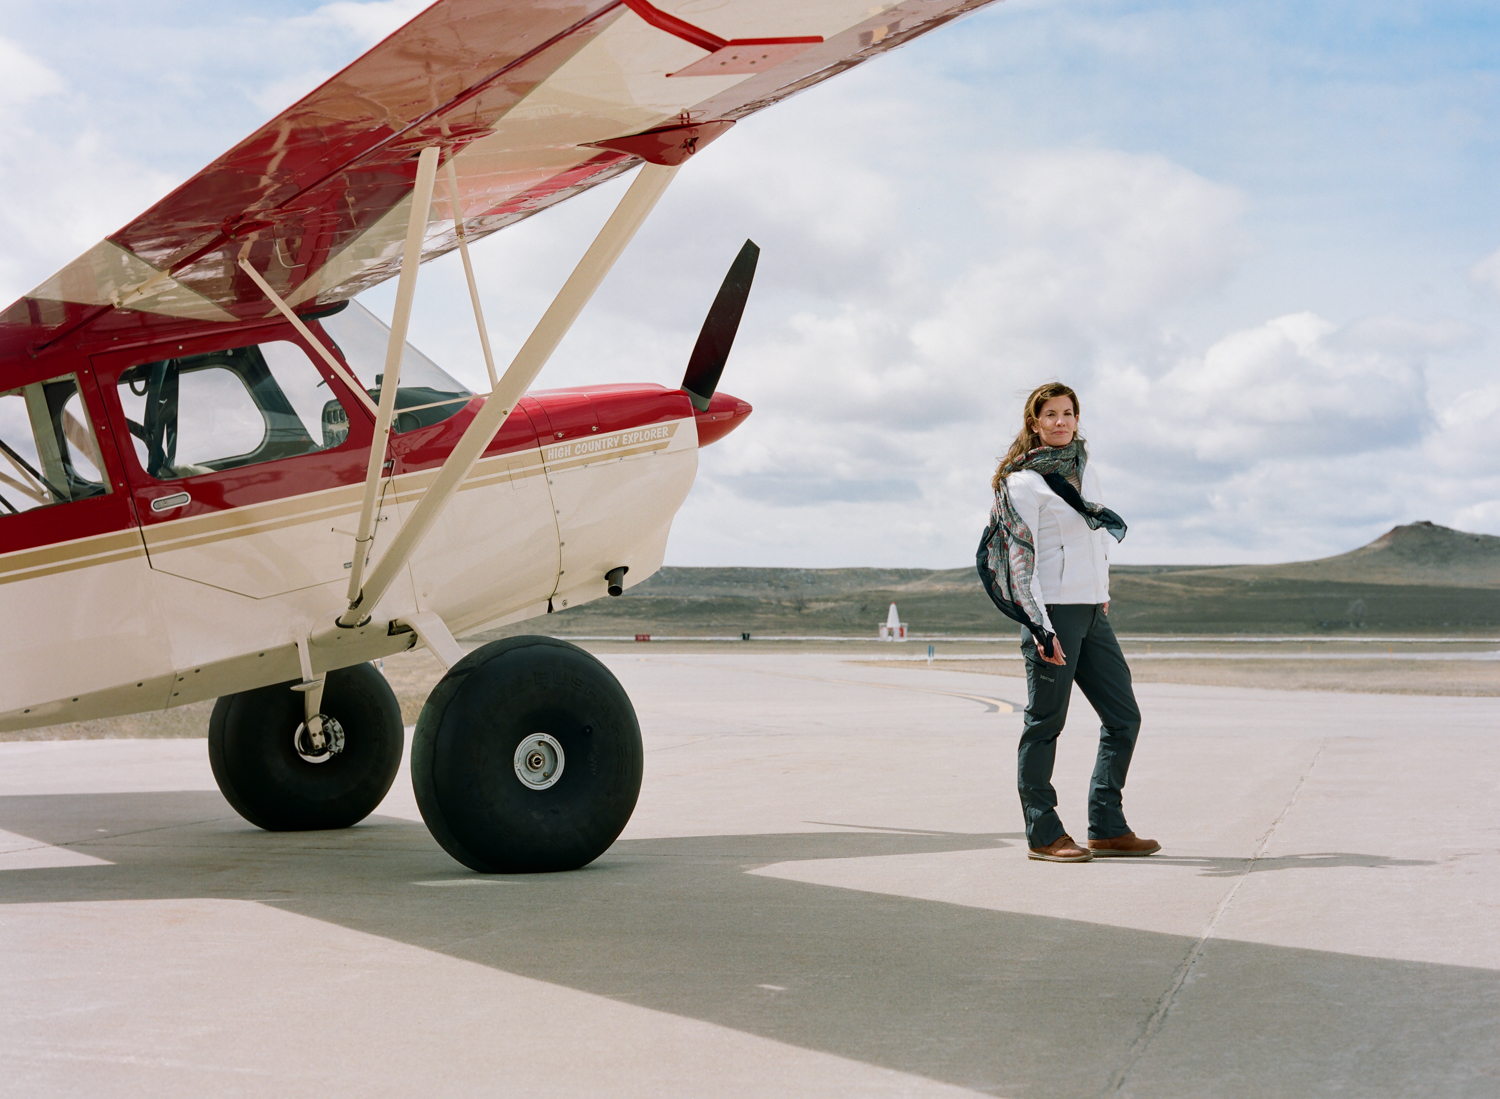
x: 533, y: 101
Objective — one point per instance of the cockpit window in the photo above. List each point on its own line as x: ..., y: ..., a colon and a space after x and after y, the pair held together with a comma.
x: 425, y: 395
x: 48, y: 453
x: 204, y: 413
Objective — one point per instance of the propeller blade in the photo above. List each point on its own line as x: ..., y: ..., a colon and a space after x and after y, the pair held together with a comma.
x: 712, y: 349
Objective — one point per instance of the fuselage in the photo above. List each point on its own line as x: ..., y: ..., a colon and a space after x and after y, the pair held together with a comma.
x: 188, y: 568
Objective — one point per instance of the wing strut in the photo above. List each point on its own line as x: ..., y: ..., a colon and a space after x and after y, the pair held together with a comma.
x: 306, y: 333
x: 406, y: 288
x: 554, y: 325
x: 463, y: 248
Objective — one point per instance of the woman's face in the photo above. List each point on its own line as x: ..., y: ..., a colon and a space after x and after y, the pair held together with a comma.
x: 1057, y: 423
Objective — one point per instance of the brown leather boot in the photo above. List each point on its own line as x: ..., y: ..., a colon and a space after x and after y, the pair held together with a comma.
x: 1060, y: 850
x: 1127, y: 846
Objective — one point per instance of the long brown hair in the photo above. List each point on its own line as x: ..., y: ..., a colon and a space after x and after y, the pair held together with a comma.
x: 1028, y: 440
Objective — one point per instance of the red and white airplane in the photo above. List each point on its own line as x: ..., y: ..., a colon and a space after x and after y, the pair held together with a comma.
x: 222, y: 478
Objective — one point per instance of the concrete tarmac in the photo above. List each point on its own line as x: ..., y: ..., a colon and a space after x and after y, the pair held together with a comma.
x: 824, y: 892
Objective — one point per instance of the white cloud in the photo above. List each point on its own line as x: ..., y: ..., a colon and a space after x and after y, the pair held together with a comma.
x: 1061, y: 249
x: 1297, y: 386
x: 936, y: 241
x: 1125, y: 232
x: 23, y: 77
x: 366, y: 23
x: 1486, y: 272
x: 277, y: 95
x: 48, y: 220
x: 887, y: 394
x: 892, y: 336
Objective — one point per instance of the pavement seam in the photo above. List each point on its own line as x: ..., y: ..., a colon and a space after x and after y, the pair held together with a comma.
x: 686, y: 744
x: 991, y: 705
x: 1184, y: 970
x: 85, y: 842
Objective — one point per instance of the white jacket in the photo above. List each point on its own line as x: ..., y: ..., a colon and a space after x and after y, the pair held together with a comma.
x: 1072, y: 559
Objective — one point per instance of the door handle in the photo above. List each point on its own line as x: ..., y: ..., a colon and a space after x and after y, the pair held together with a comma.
x: 167, y: 503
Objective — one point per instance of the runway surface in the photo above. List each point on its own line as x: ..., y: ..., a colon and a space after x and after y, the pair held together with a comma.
x: 824, y: 892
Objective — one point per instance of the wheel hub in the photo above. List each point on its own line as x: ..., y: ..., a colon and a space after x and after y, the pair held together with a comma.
x: 319, y: 740
x: 539, y: 761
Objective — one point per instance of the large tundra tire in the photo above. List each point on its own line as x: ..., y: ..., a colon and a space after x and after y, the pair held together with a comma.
x: 527, y: 758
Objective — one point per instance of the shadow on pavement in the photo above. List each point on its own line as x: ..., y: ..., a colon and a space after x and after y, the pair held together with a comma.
x: 1012, y: 1004
x: 1319, y: 860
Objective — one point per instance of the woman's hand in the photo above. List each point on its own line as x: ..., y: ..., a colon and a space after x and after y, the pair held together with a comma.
x: 1106, y: 608
x: 1057, y: 647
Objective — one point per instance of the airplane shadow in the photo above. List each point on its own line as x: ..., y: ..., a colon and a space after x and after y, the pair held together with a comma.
x: 1000, y: 1002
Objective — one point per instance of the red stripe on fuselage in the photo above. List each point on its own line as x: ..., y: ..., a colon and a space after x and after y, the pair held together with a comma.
x: 553, y: 415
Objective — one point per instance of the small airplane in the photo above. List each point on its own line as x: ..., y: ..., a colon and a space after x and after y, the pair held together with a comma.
x: 222, y: 478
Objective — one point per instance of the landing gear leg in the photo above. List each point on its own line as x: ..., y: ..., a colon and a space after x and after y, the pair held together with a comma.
x: 527, y: 758
x: 283, y: 776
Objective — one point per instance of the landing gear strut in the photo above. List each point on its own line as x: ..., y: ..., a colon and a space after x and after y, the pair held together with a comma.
x: 284, y: 776
x: 527, y: 758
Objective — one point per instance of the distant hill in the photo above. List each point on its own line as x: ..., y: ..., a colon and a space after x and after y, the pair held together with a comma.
x: 1415, y: 578
x: 1418, y: 553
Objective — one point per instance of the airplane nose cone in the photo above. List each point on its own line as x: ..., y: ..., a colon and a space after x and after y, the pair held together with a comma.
x: 723, y: 414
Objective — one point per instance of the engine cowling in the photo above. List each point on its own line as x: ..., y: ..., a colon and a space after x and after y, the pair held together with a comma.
x: 723, y: 414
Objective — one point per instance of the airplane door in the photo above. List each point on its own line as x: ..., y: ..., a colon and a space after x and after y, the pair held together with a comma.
x: 73, y: 576
x: 244, y: 461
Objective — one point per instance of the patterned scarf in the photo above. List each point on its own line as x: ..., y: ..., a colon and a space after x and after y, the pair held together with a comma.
x: 1007, y: 553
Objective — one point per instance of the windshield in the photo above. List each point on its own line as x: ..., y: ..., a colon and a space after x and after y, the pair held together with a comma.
x: 425, y: 394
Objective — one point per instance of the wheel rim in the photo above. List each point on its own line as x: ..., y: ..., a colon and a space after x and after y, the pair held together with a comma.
x: 539, y: 761
x: 322, y: 746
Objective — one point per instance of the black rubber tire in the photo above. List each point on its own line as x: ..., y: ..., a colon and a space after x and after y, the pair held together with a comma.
x: 463, y: 758
x: 270, y: 785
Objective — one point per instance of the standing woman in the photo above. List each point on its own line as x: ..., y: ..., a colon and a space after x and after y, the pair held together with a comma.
x: 1044, y: 560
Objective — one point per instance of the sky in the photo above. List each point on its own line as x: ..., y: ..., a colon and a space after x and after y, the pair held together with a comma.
x: 1261, y: 239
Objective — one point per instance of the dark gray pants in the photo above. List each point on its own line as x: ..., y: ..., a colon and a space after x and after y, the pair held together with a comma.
x: 1097, y: 665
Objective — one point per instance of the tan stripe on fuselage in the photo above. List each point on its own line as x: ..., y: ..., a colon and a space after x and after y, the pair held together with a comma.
x: 327, y: 505
x: 100, y: 549
x: 81, y: 561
